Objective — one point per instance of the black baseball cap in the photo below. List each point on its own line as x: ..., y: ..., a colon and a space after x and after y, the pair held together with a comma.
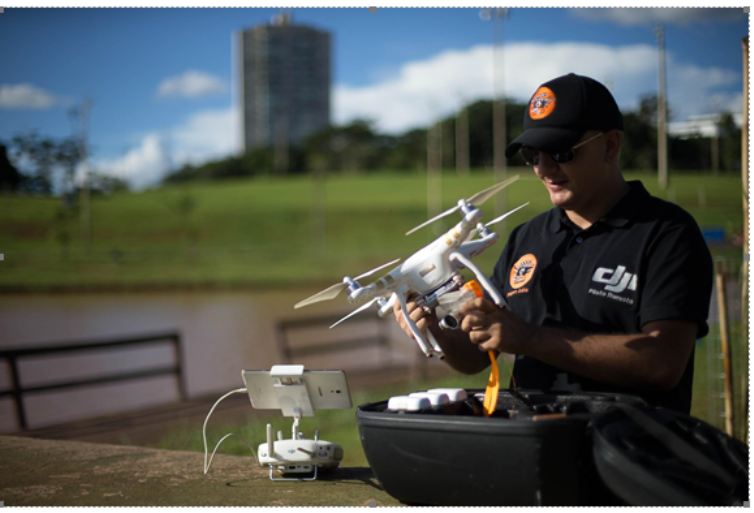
x: 562, y: 110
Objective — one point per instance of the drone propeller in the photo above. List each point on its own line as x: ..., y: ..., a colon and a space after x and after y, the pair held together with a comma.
x: 480, y: 197
x: 476, y: 200
x: 327, y: 294
x: 498, y: 219
x: 473, y: 232
x: 333, y: 291
x: 369, y: 273
x: 425, y: 223
x: 358, y: 310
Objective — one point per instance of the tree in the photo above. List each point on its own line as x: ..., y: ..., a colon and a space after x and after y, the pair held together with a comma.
x: 730, y: 143
x: 47, y: 156
x: 480, y: 131
x: 105, y: 184
x: 353, y: 147
x: 10, y: 178
x: 647, y: 111
x: 260, y: 161
x: 68, y: 153
x: 40, y: 152
x: 408, y: 151
x: 358, y: 146
x: 186, y: 173
x: 639, y: 145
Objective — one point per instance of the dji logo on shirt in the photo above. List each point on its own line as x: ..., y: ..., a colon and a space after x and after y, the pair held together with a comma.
x: 615, y: 280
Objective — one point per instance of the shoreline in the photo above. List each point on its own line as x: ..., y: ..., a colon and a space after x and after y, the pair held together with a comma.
x: 146, y: 288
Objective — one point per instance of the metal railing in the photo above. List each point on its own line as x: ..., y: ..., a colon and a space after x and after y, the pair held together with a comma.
x: 12, y: 355
x: 290, y: 353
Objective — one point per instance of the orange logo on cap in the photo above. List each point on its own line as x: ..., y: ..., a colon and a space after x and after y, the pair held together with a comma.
x: 542, y: 103
x: 523, y: 271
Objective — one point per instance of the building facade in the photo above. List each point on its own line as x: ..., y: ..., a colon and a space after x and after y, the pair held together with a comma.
x: 284, y: 83
x: 703, y: 125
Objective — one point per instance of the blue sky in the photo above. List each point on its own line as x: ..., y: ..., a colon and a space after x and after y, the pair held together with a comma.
x: 161, y: 79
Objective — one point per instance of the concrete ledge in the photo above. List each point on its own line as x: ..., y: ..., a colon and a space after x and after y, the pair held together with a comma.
x: 35, y: 472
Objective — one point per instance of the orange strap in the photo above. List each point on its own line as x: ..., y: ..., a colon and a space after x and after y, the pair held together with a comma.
x: 493, y: 384
x: 493, y: 387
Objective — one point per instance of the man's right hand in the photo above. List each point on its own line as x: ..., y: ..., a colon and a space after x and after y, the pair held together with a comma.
x: 460, y: 353
x: 421, y: 317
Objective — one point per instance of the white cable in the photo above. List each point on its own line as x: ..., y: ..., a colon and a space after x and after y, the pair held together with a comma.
x: 204, y: 433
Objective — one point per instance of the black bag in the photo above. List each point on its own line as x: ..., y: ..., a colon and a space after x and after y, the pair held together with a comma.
x: 552, y: 449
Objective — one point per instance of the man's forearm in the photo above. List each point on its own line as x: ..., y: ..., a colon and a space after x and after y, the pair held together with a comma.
x: 631, y: 360
x: 460, y: 353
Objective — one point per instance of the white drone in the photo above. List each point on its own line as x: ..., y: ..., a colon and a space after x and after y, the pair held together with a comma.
x: 431, y: 272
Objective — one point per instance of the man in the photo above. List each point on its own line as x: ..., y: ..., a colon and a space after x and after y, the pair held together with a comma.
x: 608, y: 290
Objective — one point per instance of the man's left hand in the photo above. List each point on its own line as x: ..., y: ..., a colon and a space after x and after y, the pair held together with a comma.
x: 492, y: 327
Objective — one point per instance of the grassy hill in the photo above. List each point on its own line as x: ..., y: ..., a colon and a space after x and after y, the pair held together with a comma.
x: 268, y: 232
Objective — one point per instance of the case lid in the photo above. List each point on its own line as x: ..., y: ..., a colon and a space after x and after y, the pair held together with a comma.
x: 659, y: 457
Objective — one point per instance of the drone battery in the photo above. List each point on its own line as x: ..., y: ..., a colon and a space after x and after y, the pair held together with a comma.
x: 435, y: 398
x: 406, y: 403
x: 454, y: 394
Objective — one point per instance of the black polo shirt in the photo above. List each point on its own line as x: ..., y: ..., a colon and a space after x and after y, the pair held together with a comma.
x: 645, y: 260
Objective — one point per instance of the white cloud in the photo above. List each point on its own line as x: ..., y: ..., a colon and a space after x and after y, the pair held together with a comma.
x: 424, y: 91
x: 25, y: 96
x: 691, y: 89
x: 141, y: 166
x: 653, y: 15
x: 205, y: 135
x: 732, y: 103
x: 191, y: 84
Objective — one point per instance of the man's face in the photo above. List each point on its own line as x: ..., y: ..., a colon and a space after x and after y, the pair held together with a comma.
x: 576, y: 184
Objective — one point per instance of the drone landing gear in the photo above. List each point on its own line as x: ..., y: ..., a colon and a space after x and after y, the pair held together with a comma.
x: 465, y: 261
x: 436, y: 350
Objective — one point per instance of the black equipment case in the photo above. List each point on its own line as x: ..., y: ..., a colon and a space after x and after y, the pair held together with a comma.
x: 552, y: 449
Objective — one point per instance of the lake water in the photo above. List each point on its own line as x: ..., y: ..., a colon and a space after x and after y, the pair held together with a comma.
x: 222, y: 333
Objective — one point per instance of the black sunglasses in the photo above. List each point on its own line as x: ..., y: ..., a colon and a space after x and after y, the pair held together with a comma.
x: 531, y: 156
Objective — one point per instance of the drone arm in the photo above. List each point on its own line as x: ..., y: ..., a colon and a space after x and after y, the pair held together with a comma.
x: 386, y: 308
x: 475, y: 247
x: 412, y: 325
x: 485, y: 282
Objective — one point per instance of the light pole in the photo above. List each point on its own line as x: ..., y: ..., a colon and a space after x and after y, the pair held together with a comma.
x: 462, y: 139
x: 662, y: 136
x: 86, y: 214
x: 434, y: 169
x: 497, y: 15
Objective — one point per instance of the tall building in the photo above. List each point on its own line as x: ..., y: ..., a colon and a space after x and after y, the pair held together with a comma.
x: 284, y: 83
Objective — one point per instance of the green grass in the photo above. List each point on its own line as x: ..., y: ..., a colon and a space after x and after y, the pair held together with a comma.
x: 334, y: 425
x: 262, y: 232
